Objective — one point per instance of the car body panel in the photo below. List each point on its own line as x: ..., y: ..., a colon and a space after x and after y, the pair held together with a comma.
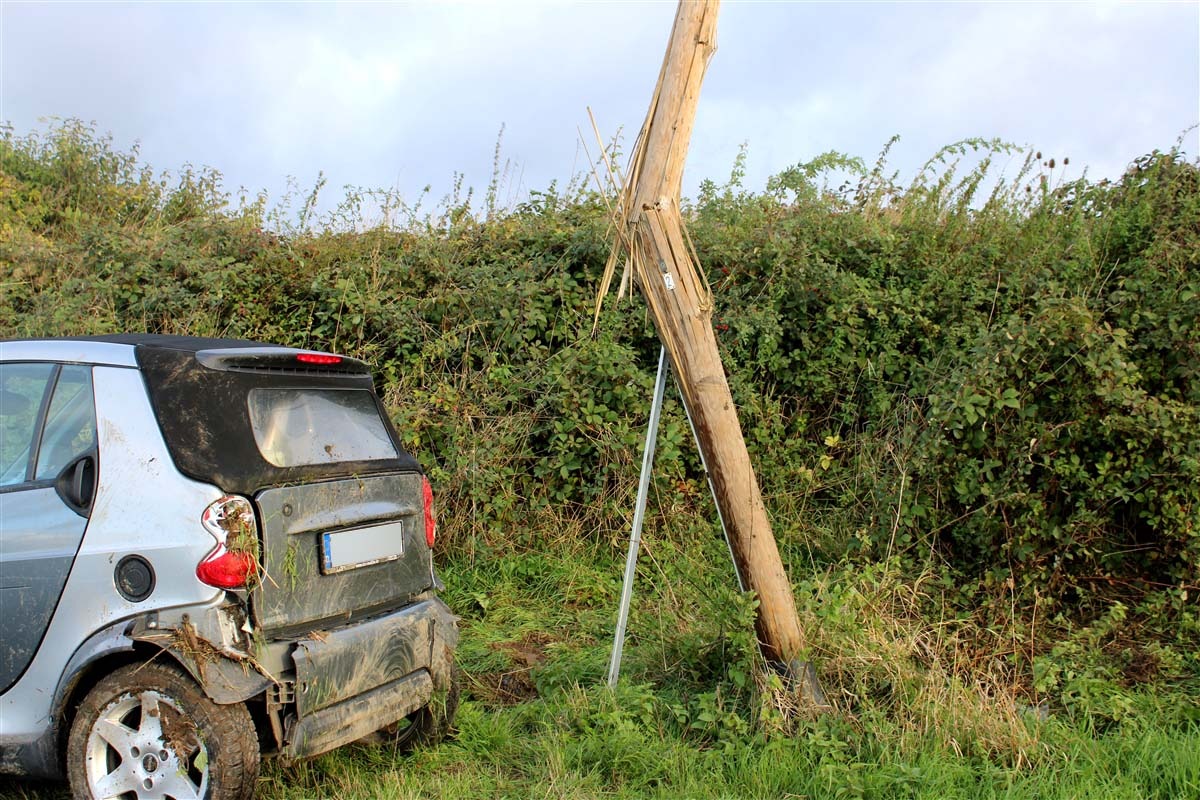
x: 213, y: 644
x: 302, y: 592
x: 358, y: 716
x: 41, y: 537
x: 336, y: 666
x: 69, y: 351
x: 164, y: 532
x: 355, y: 680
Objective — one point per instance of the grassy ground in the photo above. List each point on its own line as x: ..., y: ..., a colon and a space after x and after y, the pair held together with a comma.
x: 921, y: 709
x: 929, y: 702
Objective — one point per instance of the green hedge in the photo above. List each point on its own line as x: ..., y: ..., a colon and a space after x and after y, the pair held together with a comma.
x: 996, y: 375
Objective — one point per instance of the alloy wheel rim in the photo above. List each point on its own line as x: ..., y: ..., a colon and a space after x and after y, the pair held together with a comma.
x: 143, y: 745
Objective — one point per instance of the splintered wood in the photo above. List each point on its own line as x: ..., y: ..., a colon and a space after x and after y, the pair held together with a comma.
x: 653, y: 247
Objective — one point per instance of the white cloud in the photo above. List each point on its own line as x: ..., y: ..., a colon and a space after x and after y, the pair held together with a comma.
x: 406, y: 94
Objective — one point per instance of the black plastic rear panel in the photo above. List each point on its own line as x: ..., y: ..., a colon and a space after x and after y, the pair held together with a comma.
x: 206, y: 424
x: 298, y: 594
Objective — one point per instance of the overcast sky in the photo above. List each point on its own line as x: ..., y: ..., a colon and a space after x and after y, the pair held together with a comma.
x: 402, y: 95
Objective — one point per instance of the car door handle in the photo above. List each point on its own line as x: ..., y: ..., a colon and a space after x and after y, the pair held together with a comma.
x: 76, y: 484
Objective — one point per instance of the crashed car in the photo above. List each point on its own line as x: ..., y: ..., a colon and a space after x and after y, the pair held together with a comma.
x: 211, y: 550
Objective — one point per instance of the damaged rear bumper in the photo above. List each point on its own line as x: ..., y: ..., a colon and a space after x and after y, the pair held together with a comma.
x: 357, y: 717
x: 358, y: 679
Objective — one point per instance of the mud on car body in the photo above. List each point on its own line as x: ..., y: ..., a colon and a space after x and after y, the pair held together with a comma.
x: 211, y: 549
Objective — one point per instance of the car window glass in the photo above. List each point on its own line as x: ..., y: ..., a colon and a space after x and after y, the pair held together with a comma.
x: 70, y: 424
x: 299, y: 427
x: 22, y: 387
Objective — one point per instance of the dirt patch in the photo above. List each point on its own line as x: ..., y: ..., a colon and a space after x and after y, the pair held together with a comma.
x: 1141, y: 666
x: 529, y: 651
x: 506, y: 688
x: 516, y: 685
x: 179, y: 732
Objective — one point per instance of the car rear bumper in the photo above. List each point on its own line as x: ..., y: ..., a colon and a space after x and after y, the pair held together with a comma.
x: 344, y: 722
x: 358, y: 679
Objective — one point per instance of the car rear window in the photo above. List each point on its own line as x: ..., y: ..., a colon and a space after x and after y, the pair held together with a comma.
x: 296, y: 427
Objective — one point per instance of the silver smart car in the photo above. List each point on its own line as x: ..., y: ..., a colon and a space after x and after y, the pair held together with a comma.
x: 209, y: 550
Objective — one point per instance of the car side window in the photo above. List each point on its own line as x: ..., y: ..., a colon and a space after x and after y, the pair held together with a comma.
x: 23, y: 390
x: 70, y: 429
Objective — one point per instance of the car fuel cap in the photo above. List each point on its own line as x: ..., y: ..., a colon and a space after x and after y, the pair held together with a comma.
x: 134, y: 578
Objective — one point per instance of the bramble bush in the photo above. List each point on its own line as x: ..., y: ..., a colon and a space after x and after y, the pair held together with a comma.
x: 1001, y: 386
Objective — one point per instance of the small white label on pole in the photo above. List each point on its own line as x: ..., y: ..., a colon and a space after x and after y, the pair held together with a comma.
x: 669, y: 281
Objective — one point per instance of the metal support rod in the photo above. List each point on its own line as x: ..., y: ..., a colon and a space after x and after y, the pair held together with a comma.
x: 713, y: 491
x: 639, y: 515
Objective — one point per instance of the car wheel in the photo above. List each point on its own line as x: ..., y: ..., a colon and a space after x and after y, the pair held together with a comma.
x: 148, y: 731
x: 427, y: 725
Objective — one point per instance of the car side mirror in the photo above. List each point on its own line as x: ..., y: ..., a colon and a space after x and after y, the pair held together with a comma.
x: 76, y: 484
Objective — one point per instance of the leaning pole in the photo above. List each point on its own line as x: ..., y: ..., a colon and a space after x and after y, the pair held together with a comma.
x: 654, y: 248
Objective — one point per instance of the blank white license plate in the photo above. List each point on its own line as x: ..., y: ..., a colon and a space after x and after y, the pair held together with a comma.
x: 360, y: 547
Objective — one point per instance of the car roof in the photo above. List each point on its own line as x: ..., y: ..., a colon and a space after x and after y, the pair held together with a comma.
x: 116, y: 349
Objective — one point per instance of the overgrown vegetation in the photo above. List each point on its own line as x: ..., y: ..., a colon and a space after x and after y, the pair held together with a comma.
x: 973, y: 401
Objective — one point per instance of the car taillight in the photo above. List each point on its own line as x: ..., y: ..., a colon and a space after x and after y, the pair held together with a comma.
x: 233, y: 563
x: 430, y: 521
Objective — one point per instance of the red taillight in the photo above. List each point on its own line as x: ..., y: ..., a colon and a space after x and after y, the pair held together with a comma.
x: 226, y: 570
x: 233, y: 563
x: 430, y: 521
x: 318, y: 358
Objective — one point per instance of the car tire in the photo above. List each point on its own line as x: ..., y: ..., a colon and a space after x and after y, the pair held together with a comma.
x: 427, y: 725
x: 149, y: 730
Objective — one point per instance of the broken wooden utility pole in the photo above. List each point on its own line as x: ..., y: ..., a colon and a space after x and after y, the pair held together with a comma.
x: 655, y: 249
